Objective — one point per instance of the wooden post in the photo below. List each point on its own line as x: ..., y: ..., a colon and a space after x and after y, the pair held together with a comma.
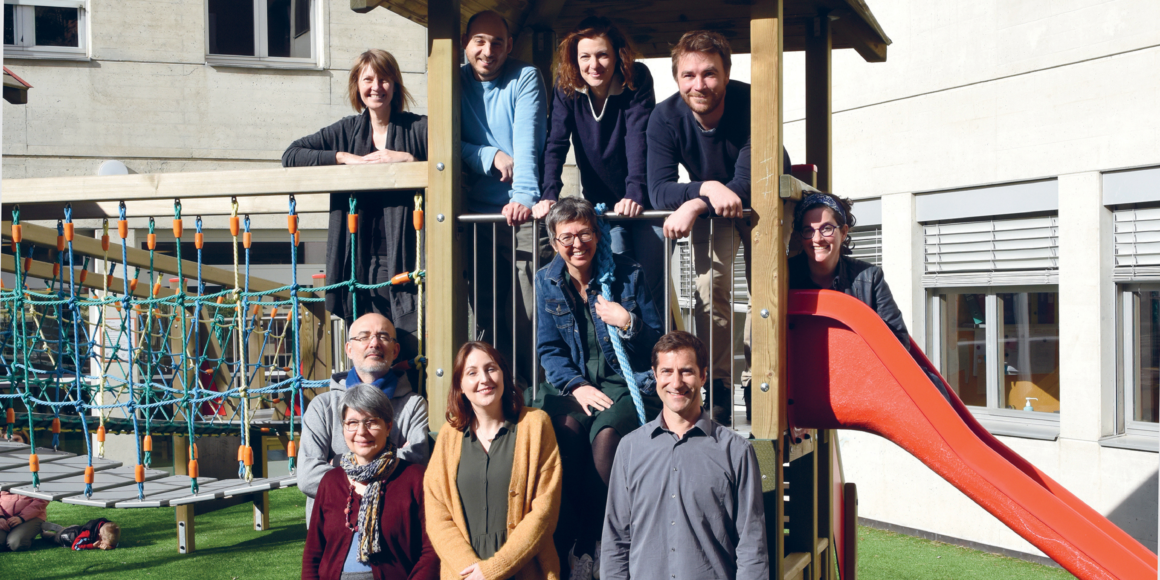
x: 185, y: 537
x: 769, y: 292
x: 819, y: 44
x: 446, y: 285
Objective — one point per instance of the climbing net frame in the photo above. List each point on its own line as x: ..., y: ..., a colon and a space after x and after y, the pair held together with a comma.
x: 186, y: 363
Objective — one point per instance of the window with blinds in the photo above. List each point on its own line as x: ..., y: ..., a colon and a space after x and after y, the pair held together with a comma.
x: 1137, y: 242
x: 992, y: 252
x: 867, y: 244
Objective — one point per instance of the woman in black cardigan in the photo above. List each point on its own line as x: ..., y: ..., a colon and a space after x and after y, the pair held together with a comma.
x: 383, y: 132
x: 601, y: 105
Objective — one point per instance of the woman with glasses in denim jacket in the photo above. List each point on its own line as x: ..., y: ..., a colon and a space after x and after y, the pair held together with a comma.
x: 821, y: 223
x: 587, y: 395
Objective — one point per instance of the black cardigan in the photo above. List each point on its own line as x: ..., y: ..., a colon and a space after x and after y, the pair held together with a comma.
x: 384, y: 229
x: 611, y: 153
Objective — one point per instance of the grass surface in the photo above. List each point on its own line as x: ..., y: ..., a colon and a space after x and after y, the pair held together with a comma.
x: 886, y: 555
x: 229, y: 548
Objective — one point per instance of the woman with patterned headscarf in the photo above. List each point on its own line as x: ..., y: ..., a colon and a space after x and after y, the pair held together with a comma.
x: 368, y: 514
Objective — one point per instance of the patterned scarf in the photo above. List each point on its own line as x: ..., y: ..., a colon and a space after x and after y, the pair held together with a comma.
x: 371, y: 507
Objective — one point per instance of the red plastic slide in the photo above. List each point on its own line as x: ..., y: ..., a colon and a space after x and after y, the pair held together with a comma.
x: 848, y: 371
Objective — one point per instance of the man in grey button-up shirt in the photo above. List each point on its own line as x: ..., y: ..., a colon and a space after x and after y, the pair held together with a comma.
x: 684, y: 500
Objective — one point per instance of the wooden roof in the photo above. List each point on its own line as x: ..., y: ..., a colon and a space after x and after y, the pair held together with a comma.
x: 655, y: 25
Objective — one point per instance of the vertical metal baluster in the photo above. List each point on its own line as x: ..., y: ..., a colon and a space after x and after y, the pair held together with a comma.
x: 712, y: 303
x: 535, y: 309
x: 732, y: 315
x: 474, y: 281
x: 515, y: 307
x: 494, y: 280
x: 669, y: 286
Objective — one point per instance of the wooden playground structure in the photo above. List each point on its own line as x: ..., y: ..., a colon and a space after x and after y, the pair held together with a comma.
x: 806, y: 503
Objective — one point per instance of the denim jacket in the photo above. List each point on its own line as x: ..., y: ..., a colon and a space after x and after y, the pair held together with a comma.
x: 561, y: 348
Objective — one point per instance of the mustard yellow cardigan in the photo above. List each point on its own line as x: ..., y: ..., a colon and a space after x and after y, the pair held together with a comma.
x: 533, y: 505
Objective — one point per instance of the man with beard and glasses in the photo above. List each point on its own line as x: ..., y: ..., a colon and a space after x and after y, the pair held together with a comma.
x: 706, y: 129
x: 372, y: 348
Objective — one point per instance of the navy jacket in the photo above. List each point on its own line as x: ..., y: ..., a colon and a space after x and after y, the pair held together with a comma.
x: 560, y: 345
x: 675, y: 138
x: 610, y: 151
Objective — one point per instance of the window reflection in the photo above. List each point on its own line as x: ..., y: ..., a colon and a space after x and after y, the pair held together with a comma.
x: 1029, y: 363
x: 1146, y: 394
x: 964, y: 342
x: 57, y: 26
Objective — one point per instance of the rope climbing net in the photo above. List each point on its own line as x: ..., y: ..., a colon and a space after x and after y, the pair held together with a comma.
x: 113, y: 357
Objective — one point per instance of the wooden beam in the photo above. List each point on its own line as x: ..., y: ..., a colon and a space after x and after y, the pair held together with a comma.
x: 209, y: 206
x: 860, y: 36
x: 446, y: 285
x: 248, y: 182
x: 86, y: 246
x: 819, y: 43
x: 43, y: 271
x: 769, y: 292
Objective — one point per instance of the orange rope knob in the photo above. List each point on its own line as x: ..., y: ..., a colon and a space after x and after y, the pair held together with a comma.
x: 89, y: 475
x: 274, y: 313
x: 84, y: 274
x: 133, y: 285
x: 56, y: 426
x: 27, y: 263
x: 193, y: 451
x: 198, y: 240
x: 235, y: 225
x: 10, y: 415
x: 264, y: 429
x: 241, y: 453
x: 69, y: 231
x: 289, y: 314
x: 249, y: 457
x: 151, y: 240
x: 147, y: 444
x: 156, y: 289
x: 109, y: 280
x: 105, y: 242
x: 60, y: 243
x: 401, y: 278
x: 221, y: 299
x: 257, y: 309
x: 17, y: 233
x: 247, y: 239
x: 101, y: 434
x: 291, y: 449
x: 292, y: 223
x: 295, y: 239
x: 417, y: 219
x: 139, y: 473
x: 123, y: 228
x: 55, y: 270
x: 33, y: 463
x: 352, y: 222
x: 192, y: 468
x: 177, y: 227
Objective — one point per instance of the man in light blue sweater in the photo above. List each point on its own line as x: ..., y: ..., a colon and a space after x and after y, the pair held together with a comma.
x: 504, y: 124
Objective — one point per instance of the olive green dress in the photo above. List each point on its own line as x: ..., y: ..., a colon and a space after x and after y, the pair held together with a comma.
x: 483, y: 481
x: 621, y: 416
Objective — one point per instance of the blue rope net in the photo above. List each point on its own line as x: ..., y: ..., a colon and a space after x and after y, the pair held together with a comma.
x: 145, y: 361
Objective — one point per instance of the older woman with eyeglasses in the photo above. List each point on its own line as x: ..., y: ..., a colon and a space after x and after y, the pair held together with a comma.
x: 822, y: 223
x: 368, y: 519
x: 587, y: 394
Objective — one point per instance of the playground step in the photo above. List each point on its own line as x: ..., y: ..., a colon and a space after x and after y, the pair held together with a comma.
x: 18, y: 475
x: 110, y: 497
x: 67, y: 487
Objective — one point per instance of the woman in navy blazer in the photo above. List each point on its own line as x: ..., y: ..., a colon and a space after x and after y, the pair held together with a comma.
x: 600, y: 107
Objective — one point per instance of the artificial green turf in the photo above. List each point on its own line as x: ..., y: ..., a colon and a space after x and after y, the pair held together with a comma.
x: 227, y: 545
x: 886, y: 555
x: 229, y: 548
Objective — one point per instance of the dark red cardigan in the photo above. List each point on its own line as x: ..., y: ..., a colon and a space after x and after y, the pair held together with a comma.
x: 407, y: 553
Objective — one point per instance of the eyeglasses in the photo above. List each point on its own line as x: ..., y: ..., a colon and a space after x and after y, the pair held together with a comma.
x: 826, y: 230
x: 366, y: 337
x: 568, y: 239
x: 371, y: 425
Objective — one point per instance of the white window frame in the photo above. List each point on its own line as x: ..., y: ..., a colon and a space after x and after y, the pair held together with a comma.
x: 25, y: 28
x: 999, y: 421
x: 261, y: 43
x: 1128, y: 368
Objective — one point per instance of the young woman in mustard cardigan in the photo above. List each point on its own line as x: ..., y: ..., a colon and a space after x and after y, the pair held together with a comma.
x: 492, y: 488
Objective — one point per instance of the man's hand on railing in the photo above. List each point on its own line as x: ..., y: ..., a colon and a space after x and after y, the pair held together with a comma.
x: 541, y: 208
x: 516, y: 213
x: 680, y: 222
x: 627, y: 207
x: 725, y: 202
x: 383, y: 156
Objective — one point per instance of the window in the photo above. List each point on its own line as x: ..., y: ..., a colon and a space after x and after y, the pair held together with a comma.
x: 1137, y: 267
x: 265, y: 33
x: 993, y: 319
x: 51, y: 29
x: 867, y: 244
